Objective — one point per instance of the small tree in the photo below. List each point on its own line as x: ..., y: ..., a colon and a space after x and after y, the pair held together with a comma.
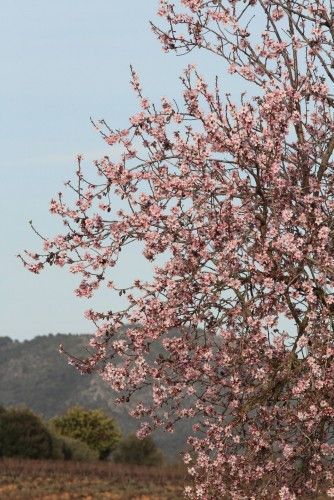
x: 132, y: 450
x: 23, y: 434
x: 93, y: 427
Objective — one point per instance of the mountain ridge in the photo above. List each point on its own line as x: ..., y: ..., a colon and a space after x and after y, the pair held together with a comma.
x: 33, y: 373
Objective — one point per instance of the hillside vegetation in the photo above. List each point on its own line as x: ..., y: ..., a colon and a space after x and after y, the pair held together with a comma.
x: 33, y: 373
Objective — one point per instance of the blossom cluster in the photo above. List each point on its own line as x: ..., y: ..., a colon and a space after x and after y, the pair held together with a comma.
x: 235, y: 330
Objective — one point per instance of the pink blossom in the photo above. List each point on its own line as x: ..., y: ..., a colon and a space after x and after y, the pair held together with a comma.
x: 232, y: 203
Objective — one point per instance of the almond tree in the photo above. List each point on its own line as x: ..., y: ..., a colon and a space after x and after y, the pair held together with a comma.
x: 238, y: 198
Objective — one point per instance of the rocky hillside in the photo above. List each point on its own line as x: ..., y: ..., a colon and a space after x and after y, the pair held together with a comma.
x: 33, y: 373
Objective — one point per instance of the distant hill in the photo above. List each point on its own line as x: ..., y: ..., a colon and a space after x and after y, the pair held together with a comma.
x: 33, y: 373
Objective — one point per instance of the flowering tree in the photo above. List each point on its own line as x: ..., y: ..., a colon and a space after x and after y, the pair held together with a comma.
x: 239, y: 200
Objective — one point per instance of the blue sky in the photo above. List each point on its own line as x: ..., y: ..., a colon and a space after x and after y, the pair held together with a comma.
x: 63, y: 62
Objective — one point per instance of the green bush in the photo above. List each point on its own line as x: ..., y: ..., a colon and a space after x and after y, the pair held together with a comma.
x: 67, y: 448
x: 23, y: 434
x: 93, y: 427
x: 132, y: 450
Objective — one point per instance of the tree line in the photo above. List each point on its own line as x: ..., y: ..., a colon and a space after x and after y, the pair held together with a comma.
x: 79, y: 434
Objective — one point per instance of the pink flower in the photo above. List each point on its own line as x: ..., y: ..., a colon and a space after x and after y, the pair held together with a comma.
x: 231, y: 201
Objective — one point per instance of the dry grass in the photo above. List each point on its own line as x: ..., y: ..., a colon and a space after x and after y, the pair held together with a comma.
x: 61, y: 480
x: 53, y: 480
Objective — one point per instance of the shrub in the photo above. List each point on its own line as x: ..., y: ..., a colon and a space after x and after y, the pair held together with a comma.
x: 93, y: 427
x: 67, y: 448
x: 132, y: 450
x: 23, y: 434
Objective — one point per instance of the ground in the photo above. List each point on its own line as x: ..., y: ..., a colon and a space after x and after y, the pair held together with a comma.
x: 59, y: 480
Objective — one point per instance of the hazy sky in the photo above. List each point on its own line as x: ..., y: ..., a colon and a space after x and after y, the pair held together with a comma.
x: 63, y: 62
